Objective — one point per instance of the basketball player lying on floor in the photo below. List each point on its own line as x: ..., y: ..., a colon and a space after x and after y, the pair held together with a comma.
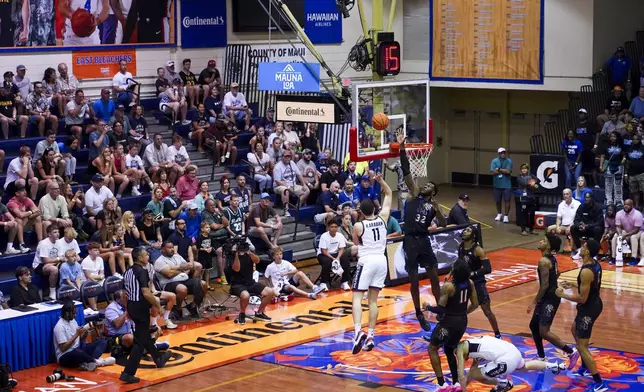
x: 284, y: 278
x: 493, y: 361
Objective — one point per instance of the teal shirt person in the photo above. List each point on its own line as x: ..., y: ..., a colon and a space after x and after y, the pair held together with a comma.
x: 501, y: 168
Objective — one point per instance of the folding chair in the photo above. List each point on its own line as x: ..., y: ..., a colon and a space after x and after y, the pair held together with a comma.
x: 92, y: 289
x: 66, y: 291
x: 111, y: 285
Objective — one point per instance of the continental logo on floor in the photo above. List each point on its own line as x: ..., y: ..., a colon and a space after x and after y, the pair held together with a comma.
x: 221, y: 343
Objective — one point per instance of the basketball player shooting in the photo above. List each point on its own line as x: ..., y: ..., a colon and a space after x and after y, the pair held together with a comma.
x: 492, y: 361
x: 473, y: 253
x: 420, y: 211
x: 371, y: 236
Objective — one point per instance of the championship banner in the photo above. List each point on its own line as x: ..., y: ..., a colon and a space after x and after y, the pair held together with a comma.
x: 445, y: 243
x: 203, y: 27
x: 102, y: 64
x: 322, y: 22
x: 549, y: 170
x: 75, y: 24
x: 493, y: 41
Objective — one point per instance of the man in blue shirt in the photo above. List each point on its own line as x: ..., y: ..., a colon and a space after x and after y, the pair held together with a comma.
x: 104, y: 108
x: 349, y: 194
x: 572, y: 149
x: 501, y: 169
x: 193, y: 221
x: 619, y: 67
x: 366, y: 191
x: 637, y: 106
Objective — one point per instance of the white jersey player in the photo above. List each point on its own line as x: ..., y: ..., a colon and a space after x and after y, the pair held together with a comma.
x: 98, y: 8
x: 371, y: 236
x: 493, y: 360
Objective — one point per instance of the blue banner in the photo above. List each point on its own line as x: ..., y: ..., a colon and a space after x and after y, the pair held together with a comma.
x: 203, y: 27
x: 322, y: 22
x: 289, y: 77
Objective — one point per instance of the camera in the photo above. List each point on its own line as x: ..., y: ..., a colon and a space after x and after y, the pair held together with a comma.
x: 58, y: 374
x: 239, y: 241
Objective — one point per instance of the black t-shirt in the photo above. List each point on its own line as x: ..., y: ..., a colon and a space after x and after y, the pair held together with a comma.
x: 207, y: 73
x: 268, y: 125
x: 20, y: 296
x: 182, y: 243
x: 170, y: 205
x: 245, y: 274
x: 327, y: 178
x: 202, y: 121
x: 189, y: 79
x: 457, y: 215
x: 139, y: 125
x: 310, y: 142
x: 617, y: 104
x: 159, y: 83
x: 204, y: 257
x: 149, y: 231
x: 585, y: 134
x: 635, y: 159
x: 6, y: 102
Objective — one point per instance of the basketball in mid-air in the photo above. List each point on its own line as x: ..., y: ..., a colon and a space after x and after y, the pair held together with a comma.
x: 380, y: 121
x: 83, y: 23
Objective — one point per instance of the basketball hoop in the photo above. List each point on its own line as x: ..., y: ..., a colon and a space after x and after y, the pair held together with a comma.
x: 417, y: 154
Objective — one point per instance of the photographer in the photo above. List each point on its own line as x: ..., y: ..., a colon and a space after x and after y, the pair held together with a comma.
x: 240, y: 274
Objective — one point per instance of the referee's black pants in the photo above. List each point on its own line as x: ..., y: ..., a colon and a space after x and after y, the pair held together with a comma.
x: 140, y: 313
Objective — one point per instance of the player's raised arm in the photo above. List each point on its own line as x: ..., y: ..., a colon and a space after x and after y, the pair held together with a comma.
x: 385, y: 209
x: 404, y: 165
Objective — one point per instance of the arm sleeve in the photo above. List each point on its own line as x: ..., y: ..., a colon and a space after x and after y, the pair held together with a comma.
x: 404, y: 163
x: 487, y: 268
x: 436, y: 309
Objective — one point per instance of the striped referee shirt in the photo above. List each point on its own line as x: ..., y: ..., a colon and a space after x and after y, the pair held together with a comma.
x: 136, y: 278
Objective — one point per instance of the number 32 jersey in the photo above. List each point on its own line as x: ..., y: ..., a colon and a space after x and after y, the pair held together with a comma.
x: 373, y: 241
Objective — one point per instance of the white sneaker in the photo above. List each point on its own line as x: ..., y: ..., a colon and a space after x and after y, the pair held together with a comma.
x: 641, y: 263
x: 576, y: 256
x: 345, y: 286
x: 227, y: 155
x: 109, y: 361
x: 186, y: 122
x: 505, y: 219
x: 118, y: 275
x: 169, y: 324
x: 136, y: 192
x: 24, y: 249
x: 324, y: 287
x: 619, y: 263
x: 13, y: 251
x: 316, y: 289
x: 287, y: 214
x: 498, y: 217
x: 223, y: 159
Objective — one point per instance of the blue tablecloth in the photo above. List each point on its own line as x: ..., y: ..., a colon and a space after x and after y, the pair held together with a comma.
x: 26, y: 339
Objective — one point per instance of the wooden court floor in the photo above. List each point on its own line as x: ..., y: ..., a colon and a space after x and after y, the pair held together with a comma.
x: 512, y: 289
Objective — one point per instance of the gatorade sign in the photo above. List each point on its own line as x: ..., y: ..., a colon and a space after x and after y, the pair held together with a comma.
x: 549, y: 171
x: 289, y: 77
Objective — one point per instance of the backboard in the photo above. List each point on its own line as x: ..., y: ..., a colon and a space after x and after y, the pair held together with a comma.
x: 406, y: 103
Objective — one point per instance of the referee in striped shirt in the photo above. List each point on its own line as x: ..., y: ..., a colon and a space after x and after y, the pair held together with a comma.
x: 139, y: 302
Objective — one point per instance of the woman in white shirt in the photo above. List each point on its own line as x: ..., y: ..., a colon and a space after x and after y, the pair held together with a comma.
x: 262, y: 166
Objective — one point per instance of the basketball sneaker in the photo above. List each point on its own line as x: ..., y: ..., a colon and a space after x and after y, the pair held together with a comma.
x: 582, y: 372
x: 598, y: 387
x: 503, y: 386
x: 369, y: 344
x: 573, y: 358
x: 358, y: 342
x: 424, y: 324
x: 445, y: 388
x: 556, y: 368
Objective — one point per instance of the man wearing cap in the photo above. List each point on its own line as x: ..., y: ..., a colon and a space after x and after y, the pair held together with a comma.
x: 236, y: 107
x: 309, y: 172
x: 286, y: 176
x: 501, y: 169
x: 291, y: 140
x: 123, y: 86
x: 192, y: 217
x: 267, y: 122
x: 367, y: 191
x: 120, y: 116
x: 23, y: 82
x: 264, y: 221
x: 458, y: 213
x: 619, y: 68
x: 616, y: 103
x: 8, y: 109
x: 209, y: 77
x: 170, y: 74
x: 95, y: 197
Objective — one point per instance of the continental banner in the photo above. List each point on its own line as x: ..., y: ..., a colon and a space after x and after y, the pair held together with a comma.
x: 486, y: 41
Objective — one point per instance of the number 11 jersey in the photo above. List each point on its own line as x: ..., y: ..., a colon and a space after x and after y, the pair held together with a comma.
x: 373, y: 241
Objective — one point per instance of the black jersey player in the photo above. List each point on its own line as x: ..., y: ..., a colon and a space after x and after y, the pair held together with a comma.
x: 474, y: 255
x: 546, y: 302
x: 589, y: 307
x: 452, y: 310
x: 420, y: 210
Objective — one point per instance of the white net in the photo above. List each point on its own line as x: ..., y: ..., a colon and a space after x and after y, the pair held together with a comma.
x: 418, y: 157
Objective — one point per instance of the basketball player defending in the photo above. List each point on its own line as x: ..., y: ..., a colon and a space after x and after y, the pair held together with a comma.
x: 493, y: 360
x: 473, y: 253
x: 546, y: 302
x: 98, y: 8
x: 589, y: 307
x: 371, y: 236
x: 452, y: 311
x: 420, y: 211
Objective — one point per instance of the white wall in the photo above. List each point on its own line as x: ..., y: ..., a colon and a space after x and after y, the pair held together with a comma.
x: 568, y: 47
x: 148, y: 60
x: 614, y: 23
